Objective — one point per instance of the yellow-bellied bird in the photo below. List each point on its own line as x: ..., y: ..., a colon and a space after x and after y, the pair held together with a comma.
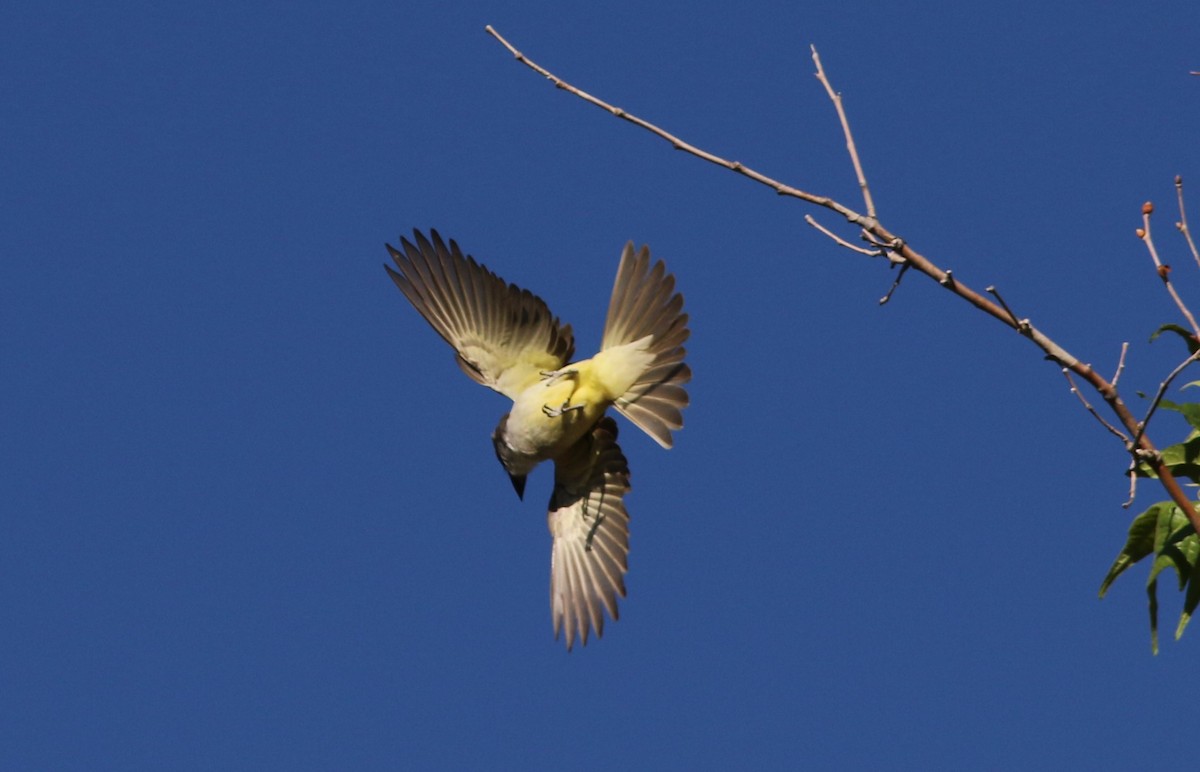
x: 507, y: 339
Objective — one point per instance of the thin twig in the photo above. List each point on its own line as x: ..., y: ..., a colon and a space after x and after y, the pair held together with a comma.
x: 869, y: 237
x: 1164, y: 271
x: 1133, y: 478
x: 1182, y: 224
x: 679, y: 144
x: 734, y: 166
x: 1120, y: 364
x: 841, y: 242
x: 1162, y: 390
x: 1075, y: 390
x: 1020, y: 324
x: 836, y: 98
x: 896, y: 284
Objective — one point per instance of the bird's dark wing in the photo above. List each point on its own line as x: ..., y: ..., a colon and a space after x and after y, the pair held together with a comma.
x: 504, y: 336
x: 591, y: 533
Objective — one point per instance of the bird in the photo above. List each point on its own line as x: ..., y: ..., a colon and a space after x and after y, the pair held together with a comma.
x: 506, y: 338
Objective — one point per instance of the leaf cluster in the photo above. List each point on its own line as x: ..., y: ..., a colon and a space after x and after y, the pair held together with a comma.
x: 1163, y: 531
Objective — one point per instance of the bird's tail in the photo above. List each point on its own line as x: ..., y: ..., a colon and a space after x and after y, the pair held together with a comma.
x: 645, y: 309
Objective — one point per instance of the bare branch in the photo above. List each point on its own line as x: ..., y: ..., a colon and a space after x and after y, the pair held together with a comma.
x: 836, y: 98
x: 1164, y: 271
x: 1182, y: 225
x: 679, y: 144
x: 870, y: 226
x: 1075, y: 390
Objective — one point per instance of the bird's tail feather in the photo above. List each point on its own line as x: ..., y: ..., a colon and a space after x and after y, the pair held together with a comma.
x: 644, y: 303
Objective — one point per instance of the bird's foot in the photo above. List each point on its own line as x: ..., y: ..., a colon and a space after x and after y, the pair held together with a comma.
x: 554, y: 376
x: 555, y: 412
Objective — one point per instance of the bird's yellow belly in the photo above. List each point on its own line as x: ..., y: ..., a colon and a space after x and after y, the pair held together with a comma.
x: 534, y: 432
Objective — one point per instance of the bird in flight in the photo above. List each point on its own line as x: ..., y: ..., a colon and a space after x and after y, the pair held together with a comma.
x: 505, y: 338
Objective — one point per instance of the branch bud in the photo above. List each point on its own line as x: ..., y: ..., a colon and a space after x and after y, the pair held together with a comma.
x: 1141, y: 234
x: 1164, y: 271
x: 1148, y: 208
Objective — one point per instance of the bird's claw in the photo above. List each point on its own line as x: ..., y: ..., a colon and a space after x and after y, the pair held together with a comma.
x: 555, y: 412
x: 554, y: 376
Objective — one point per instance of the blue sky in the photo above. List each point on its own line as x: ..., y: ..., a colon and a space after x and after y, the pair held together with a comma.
x: 251, y: 514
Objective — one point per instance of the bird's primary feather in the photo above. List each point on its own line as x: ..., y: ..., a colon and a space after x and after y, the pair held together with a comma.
x: 504, y: 336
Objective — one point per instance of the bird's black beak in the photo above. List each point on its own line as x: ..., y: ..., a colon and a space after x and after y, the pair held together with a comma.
x: 518, y: 481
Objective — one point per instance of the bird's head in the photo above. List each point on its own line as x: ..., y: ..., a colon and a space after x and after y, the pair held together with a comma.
x: 516, y: 464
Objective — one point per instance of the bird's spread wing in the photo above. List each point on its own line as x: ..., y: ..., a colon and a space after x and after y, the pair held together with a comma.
x: 504, y: 335
x: 644, y: 304
x: 591, y: 533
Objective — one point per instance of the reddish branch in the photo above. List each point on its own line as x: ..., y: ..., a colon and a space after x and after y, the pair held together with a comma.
x: 899, y: 251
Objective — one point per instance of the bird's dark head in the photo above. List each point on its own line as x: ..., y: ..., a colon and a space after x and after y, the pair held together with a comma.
x: 513, y: 462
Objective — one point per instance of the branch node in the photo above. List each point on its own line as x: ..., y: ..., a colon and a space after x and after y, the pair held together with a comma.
x: 1149, y: 456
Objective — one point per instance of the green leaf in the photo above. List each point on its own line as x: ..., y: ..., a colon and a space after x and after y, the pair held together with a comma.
x: 1190, y: 600
x: 1183, y: 460
x: 1164, y: 531
x: 1189, y: 410
x: 1192, y: 344
x: 1138, y: 545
